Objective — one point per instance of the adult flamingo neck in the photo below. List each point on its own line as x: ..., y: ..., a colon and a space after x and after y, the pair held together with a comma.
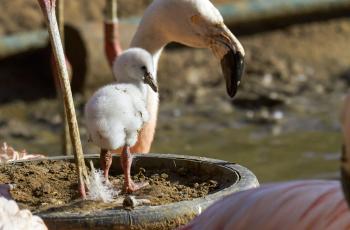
x: 151, y: 40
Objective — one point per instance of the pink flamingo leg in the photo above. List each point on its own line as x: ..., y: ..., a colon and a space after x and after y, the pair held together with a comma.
x: 126, y: 161
x: 111, y: 32
x: 112, y: 45
x: 106, y: 162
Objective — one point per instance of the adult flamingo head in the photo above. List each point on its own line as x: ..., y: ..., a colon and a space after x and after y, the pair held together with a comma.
x: 195, y: 23
x: 210, y: 31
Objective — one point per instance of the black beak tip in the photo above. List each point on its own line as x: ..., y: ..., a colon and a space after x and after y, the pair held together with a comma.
x: 232, y: 65
x: 232, y: 91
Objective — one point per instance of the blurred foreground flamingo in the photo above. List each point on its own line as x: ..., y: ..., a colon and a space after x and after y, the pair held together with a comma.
x: 11, y: 217
x: 195, y: 23
x: 309, y: 204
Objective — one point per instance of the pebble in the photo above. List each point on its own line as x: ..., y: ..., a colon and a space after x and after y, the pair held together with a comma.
x: 46, y: 188
x: 56, y: 202
x: 129, y: 202
x: 182, y: 171
x: 164, y: 175
x: 155, y: 176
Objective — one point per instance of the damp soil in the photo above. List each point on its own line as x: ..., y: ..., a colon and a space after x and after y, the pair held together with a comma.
x: 52, y: 185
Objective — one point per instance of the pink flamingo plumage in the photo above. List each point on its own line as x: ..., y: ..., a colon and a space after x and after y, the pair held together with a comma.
x: 309, y: 204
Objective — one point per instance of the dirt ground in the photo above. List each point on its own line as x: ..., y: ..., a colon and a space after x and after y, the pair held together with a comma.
x: 44, y: 185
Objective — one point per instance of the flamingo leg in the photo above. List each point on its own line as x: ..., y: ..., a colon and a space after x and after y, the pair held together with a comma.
x: 105, y: 162
x: 111, y: 32
x: 126, y: 161
x: 65, y: 138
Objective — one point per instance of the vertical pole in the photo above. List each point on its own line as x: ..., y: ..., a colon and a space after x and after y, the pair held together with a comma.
x: 48, y: 8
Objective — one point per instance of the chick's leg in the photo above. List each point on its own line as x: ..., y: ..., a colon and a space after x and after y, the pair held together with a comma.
x: 126, y: 161
x: 105, y: 162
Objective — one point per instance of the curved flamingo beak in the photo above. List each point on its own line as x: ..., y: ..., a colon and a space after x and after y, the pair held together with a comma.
x: 148, y: 79
x: 232, y: 62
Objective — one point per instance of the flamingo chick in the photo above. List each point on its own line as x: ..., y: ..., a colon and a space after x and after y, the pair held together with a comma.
x: 116, y: 112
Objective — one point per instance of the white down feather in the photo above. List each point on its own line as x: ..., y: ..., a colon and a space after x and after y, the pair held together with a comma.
x: 116, y: 112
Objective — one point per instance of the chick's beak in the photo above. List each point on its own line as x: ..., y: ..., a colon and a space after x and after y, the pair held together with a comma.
x: 151, y: 82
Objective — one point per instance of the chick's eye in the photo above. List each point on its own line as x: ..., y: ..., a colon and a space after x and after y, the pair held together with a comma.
x: 143, y: 68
